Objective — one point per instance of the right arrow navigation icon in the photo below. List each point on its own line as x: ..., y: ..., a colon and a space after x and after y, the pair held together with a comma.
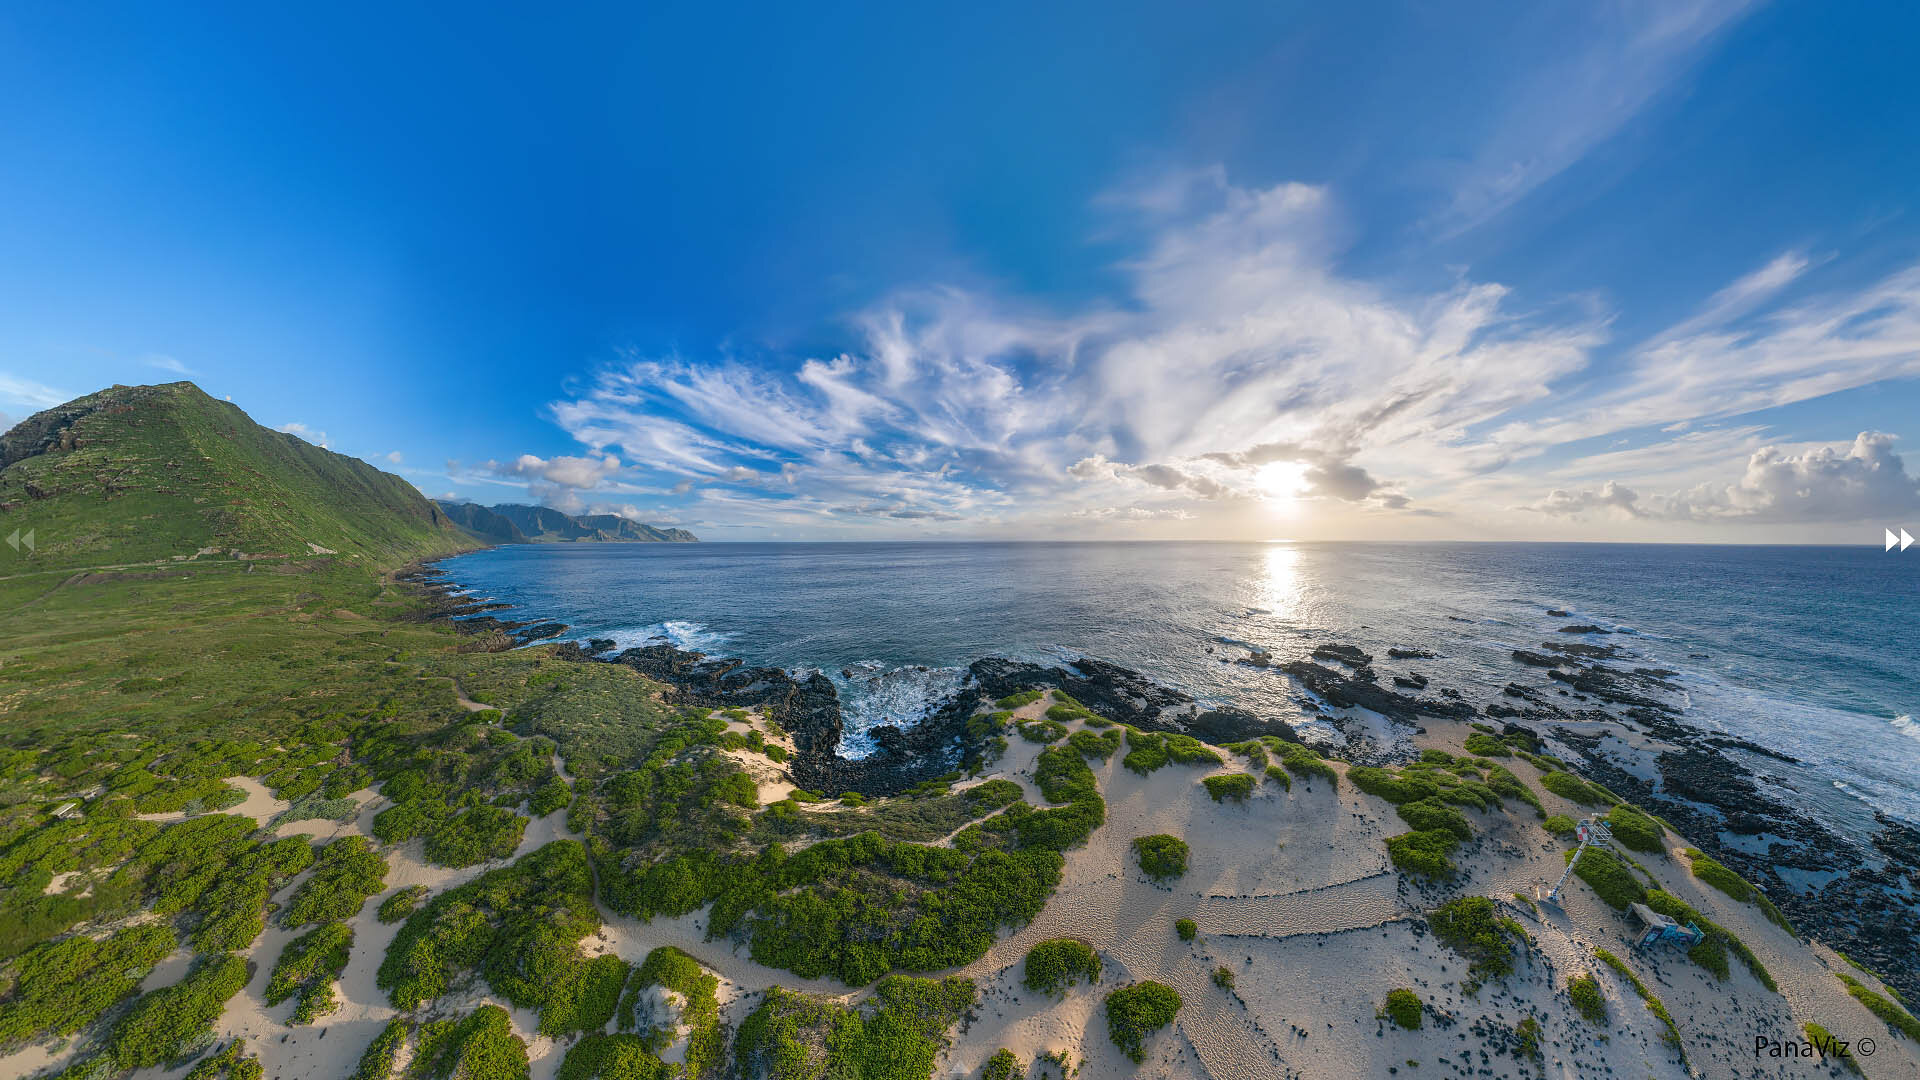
x: 1905, y: 541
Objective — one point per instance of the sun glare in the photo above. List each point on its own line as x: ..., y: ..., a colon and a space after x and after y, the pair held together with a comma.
x: 1282, y: 481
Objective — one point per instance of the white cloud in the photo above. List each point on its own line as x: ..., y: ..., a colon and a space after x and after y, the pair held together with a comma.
x: 551, y: 474
x: 394, y: 458
x: 1239, y: 345
x: 166, y: 363
x: 317, y: 438
x: 32, y: 394
x: 1623, y: 59
x: 1861, y: 481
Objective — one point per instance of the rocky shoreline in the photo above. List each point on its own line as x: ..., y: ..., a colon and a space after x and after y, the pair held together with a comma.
x: 1589, y: 703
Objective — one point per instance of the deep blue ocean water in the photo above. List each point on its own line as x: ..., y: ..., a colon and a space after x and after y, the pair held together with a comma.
x: 1812, y: 651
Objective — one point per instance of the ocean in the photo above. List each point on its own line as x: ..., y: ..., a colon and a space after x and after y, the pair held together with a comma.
x: 1810, y: 651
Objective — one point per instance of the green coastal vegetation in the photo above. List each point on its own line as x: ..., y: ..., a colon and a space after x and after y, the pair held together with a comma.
x: 1404, y: 1008
x: 1057, y: 963
x: 1136, y: 1011
x: 212, y: 641
x: 1162, y: 857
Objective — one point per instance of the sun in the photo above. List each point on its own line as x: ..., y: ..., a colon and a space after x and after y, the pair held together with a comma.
x: 1282, y: 481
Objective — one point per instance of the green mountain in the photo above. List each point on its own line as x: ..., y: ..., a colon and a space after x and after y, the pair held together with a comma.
x: 136, y: 474
x: 513, y: 523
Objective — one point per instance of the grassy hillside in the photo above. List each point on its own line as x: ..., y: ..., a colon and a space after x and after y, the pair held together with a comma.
x: 136, y: 474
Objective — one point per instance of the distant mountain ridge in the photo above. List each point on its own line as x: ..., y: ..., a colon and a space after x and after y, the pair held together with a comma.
x: 516, y: 523
x: 142, y: 473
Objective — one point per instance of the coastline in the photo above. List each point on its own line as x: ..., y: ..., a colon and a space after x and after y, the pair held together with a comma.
x: 1620, y: 723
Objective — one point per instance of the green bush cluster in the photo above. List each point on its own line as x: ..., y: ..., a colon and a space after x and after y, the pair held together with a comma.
x: 1002, y: 1066
x: 1042, y: 731
x: 1611, y: 879
x: 1186, y: 928
x: 1236, y: 787
x: 1560, y: 825
x: 1162, y: 857
x: 1302, y: 760
x: 345, y: 873
x: 1584, y: 992
x: 1820, y: 1036
x: 1223, y: 977
x: 1022, y: 698
x: 668, y: 967
x: 519, y: 927
x: 1404, y: 1008
x: 1470, y: 927
x: 376, y: 1061
x: 1634, y: 829
x: 1424, y: 852
x: 402, y: 903
x: 895, y: 1035
x: 1487, y: 746
x: 859, y: 907
x: 166, y: 1024
x: 1716, y: 874
x: 308, y: 967
x: 597, y: 1056
x: 1151, y: 750
x: 59, y: 988
x: 1568, y: 786
x: 1096, y: 747
x: 1138, y: 1010
x: 1057, y: 963
x: 1896, y: 1018
x: 481, y: 1046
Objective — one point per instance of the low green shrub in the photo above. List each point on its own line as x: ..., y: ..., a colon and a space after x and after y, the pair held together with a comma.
x: 1823, y: 1040
x: 1584, y: 991
x: 1635, y: 830
x: 59, y: 988
x: 1058, y: 963
x: 345, y: 873
x: 1896, y: 1018
x: 1136, y: 1011
x: 1233, y: 786
x: 1015, y: 701
x: 1560, y: 825
x: 376, y: 1061
x: 1279, y: 776
x: 308, y: 967
x: 1002, y: 1066
x: 1223, y: 977
x: 1404, y: 1008
x: 1427, y: 814
x: 402, y: 903
x: 1094, y: 747
x: 1162, y: 857
x: 167, y: 1023
x: 1186, y: 928
x: 1469, y: 927
x: 1568, y: 786
x: 1611, y: 879
x: 1423, y: 852
x: 482, y: 1046
x: 1042, y: 731
x: 1487, y: 746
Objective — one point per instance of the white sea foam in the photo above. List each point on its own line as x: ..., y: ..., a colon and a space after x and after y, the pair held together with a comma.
x: 1904, y: 725
x: 679, y: 633
x: 872, y: 694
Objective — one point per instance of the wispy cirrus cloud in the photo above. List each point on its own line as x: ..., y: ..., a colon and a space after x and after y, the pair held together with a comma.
x: 1238, y: 347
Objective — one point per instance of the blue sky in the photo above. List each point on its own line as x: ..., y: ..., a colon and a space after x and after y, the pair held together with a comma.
x: 1584, y: 270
